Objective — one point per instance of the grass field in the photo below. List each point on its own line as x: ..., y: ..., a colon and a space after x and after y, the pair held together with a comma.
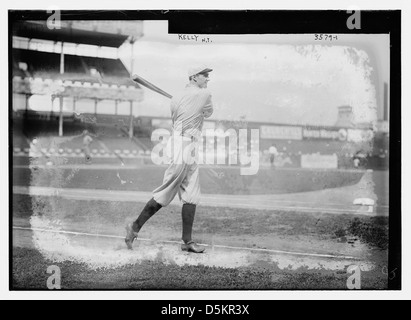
x: 213, y: 181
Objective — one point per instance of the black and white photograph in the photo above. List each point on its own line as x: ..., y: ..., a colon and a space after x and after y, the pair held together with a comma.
x: 204, y: 150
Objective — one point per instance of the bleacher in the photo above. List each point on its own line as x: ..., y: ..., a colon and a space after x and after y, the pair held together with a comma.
x: 113, y: 134
x: 83, y: 77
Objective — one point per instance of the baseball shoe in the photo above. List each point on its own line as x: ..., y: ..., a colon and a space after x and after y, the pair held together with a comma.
x: 131, y: 235
x: 192, y: 247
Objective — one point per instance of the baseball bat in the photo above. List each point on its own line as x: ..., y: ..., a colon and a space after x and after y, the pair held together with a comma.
x: 149, y: 85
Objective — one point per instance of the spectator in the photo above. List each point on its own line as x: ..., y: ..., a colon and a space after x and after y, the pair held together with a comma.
x: 356, y: 162
x: 273, y: 153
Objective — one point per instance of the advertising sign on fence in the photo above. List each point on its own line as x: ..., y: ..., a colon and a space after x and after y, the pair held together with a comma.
x: 319, y: 161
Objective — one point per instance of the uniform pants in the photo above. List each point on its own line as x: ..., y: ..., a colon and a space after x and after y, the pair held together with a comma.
x: 182, y: 174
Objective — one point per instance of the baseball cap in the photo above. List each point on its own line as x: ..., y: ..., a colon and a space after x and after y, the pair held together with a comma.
x: 196, y: 70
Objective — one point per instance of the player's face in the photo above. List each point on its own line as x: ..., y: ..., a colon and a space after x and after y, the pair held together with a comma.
x: 202, y: 80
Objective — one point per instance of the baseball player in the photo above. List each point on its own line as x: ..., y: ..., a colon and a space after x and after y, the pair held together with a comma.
x: 188, y: 110
x: 273, y: 153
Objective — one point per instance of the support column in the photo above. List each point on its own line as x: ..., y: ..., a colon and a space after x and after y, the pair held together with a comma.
x: 131, y: 129
x: 116, y: 107
x: 95, y: 106
x: 62, y: 59
x: 74, y: 104
x: 52, y: 106
x: 27, y: 102
x: 61, y: 97
x: 132, y: 56
x: 61, y: 117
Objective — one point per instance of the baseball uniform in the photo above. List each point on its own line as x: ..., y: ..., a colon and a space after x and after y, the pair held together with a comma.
x: 188, y: 110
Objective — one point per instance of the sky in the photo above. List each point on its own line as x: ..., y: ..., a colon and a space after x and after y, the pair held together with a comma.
x: 291, y: 79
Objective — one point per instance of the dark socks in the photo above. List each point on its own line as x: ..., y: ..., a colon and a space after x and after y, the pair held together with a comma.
x: 188, y: 212
x: 149, y: 210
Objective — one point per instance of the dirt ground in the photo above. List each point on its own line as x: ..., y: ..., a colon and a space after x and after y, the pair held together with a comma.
x: 226, y: 232
x: 245, y: 248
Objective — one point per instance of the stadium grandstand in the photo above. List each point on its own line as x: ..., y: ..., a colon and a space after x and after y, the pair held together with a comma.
x: 71, y: 79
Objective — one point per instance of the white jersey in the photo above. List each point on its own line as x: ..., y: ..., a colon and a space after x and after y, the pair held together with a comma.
x: 188, y: 110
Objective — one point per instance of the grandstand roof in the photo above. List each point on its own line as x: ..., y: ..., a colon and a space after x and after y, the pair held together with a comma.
x: 77, y: 68
x: 83, y: 77
x: 99, y: 33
